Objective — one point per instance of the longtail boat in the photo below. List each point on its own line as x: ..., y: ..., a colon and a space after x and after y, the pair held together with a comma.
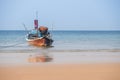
x: 39, y: 36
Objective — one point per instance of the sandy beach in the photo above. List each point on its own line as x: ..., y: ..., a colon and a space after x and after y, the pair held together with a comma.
x: 109, y: 71
x: 63, y: 66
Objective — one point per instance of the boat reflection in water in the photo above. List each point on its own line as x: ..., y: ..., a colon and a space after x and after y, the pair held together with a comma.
x: 40, y: 37
x: 42, y: 56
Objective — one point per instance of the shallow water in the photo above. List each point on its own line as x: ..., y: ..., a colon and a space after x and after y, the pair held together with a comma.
x: 59, y: 58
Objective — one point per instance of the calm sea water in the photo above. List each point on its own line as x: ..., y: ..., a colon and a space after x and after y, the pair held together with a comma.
x: 64, y: 40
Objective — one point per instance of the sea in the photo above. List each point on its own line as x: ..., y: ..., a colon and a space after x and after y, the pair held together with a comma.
x: 68, y: 47
x: 64, y: 40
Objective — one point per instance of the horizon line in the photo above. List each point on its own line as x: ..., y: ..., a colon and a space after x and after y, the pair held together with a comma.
x: 60, y: 30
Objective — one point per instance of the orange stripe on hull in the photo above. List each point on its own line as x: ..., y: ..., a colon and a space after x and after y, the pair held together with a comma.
x: 38, y: 42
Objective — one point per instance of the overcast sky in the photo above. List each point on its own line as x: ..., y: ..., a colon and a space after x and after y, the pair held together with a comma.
x: 63, y: 14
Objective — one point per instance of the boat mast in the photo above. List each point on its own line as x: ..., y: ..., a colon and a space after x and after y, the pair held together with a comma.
x: 36, y: 21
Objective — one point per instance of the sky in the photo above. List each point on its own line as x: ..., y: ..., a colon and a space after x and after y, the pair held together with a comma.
x: 60, y: 14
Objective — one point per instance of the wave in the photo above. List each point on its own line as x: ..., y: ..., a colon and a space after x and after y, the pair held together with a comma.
x: 51, y: 50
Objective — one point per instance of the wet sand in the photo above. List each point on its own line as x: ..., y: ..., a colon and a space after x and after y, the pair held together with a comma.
x: 96, y: 71
x: 63, y: 66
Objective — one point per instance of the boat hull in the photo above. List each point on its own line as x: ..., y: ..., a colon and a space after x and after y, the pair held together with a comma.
x: 39, y: 42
